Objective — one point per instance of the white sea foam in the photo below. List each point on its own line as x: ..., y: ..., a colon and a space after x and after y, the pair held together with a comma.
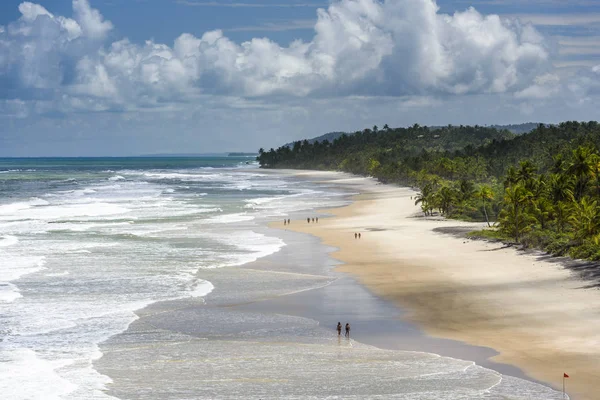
x: 245, y: 247
x: 8, y: 292
x: 64, y: 273
x: 229, y: 218
x: 17, y: 368
x: 13, y: 267
x: 8, y: 240
x: 11, y: 208
x: 201, y: 289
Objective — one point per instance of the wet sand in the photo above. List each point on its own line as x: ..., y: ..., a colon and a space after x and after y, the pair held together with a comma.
x: 539, y: 316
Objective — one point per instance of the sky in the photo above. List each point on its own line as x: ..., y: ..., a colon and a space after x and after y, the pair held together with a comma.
x: 131, y: 77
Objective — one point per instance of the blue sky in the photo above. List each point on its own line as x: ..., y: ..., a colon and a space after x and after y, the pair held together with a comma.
x: 126, y: 77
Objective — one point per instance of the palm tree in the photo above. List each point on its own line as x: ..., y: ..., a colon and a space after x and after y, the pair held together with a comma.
x: 526, y: 174
x: 560, y: 188
x: 559, y: 164
x: 585, y: 219
x: 562, y: 215
x: 539, y: 186
x: 425, y: 198
x: 511, y: 177
x: 597, y: 174
x: 583, y: 162
x: 485, y: 193
x: 445, y: 198
x: 542, y: 210
x: 513, y: 217
x: 526, y: 171
x: 582, y: 167
x: 466, y: 190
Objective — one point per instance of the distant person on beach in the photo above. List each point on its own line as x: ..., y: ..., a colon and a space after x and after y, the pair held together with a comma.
x: 355, y: 235
x: 284, y: 222
x: 288, y: 221
x: 317, y: 219
x: 308, y: 220
x: 347, y: 330
x: 313, y: 220
x: 339, y: 328
x: 359, y: 235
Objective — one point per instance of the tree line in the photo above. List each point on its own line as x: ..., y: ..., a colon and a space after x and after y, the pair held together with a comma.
x: 540, y: 189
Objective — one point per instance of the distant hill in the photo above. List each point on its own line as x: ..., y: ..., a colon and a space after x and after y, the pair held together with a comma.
x: 517, y: 129
x: 331, y: 136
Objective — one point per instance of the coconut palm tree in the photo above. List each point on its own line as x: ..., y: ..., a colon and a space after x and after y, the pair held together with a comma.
x: 560, y: 188
x: 542, y: 209
x: 582, y: 167
x: 513, y: 217
x: 485, y: 193
x: 559, y: 164
x: 526, y: 174
x: 445, y: 197
x: 511, y: 177
x: 562, y: 215
x: 585, y: 219
x: 425, y: 198
x: 466, y: 190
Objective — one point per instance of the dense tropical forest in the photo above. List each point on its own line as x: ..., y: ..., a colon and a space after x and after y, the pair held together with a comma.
x: 539, y: 189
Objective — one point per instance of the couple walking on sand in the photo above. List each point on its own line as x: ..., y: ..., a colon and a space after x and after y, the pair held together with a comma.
x: 339, y: 329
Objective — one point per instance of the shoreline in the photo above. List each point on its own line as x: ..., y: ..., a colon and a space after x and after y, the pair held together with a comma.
x: 300, y: 289
x: 535, y: 313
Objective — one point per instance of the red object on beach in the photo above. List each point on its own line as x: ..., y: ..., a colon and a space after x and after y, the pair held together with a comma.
x: 565, y: 375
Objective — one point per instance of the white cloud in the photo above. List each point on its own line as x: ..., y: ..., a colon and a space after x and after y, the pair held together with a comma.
x: 30, y: 11
x: 90, y: 20
x: 364, y: 47
x: 543, y: 87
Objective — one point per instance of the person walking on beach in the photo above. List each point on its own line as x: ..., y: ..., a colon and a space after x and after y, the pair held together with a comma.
x: 288, y: 221
x: 317, y: 219
x: 284, y: 222
x: 313, y: 220
x: 359, y: 235
x: 308, y: 220
x: 355, y: 235
x: 347, y: 330
x: 339, y: 328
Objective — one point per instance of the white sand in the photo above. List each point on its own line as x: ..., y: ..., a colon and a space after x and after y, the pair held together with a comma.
x: 536, y: 314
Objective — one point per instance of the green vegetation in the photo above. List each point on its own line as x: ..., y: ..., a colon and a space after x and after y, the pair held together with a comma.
x: 540, y: 189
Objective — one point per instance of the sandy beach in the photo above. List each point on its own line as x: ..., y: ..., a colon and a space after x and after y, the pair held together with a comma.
x: 539, y: 315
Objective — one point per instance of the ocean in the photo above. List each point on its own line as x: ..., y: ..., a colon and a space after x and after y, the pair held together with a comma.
x: 85, y: 242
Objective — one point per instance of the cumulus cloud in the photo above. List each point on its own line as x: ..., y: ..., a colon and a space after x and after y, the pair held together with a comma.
x: 360, y: 47
x: 91, y: 21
